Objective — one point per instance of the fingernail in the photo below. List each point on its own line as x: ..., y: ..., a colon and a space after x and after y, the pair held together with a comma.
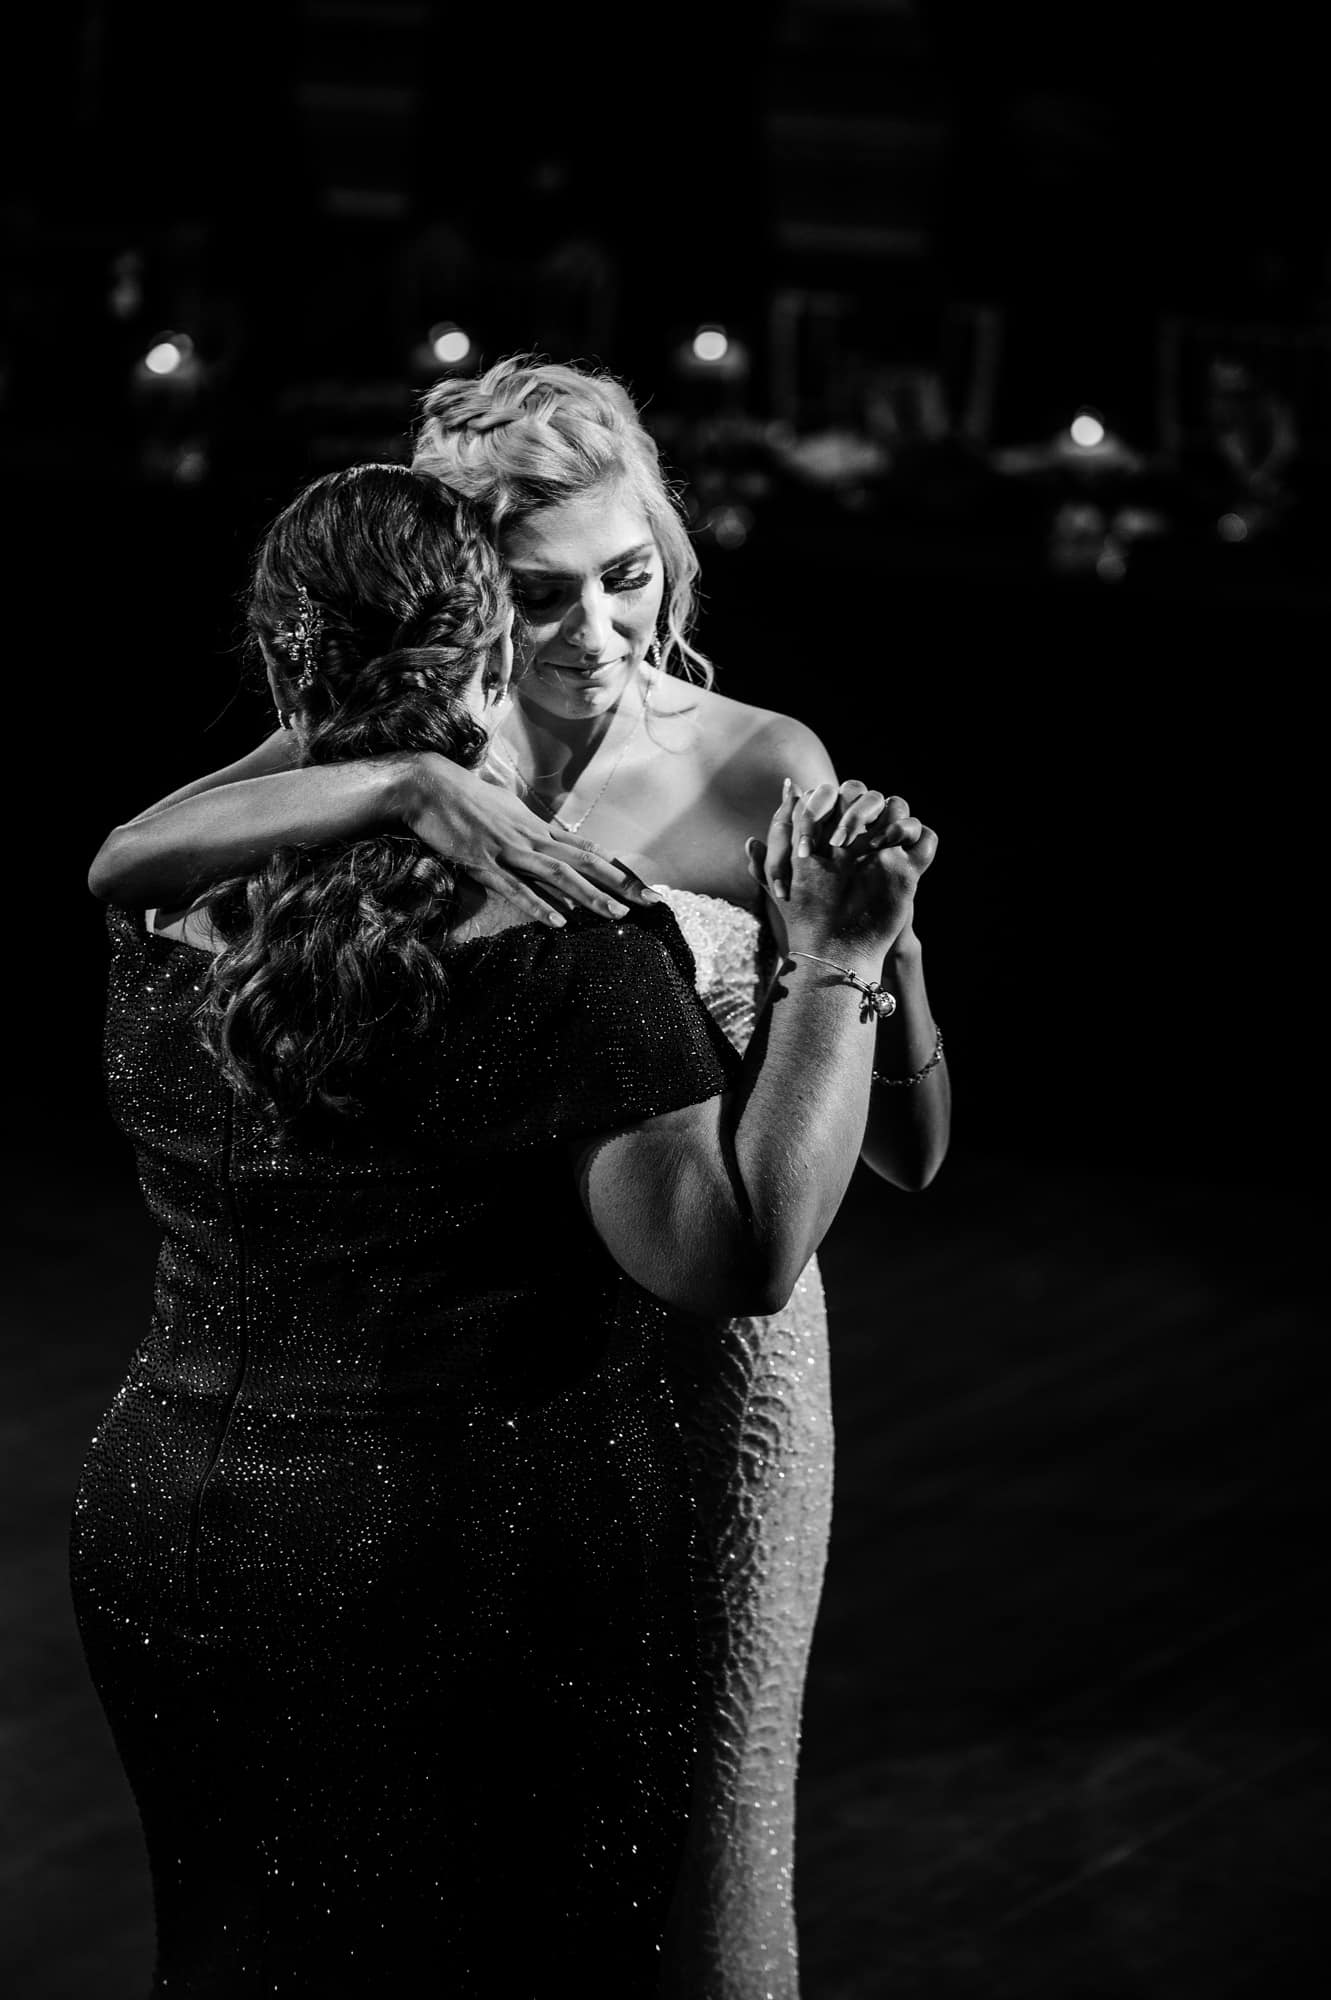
x: 803, y: 850
x: 780, y: 892
x: 785, y: 790
x: 553, y: 917
x: 635, y: 881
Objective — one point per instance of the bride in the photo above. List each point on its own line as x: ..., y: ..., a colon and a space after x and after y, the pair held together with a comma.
x: 616, y: 736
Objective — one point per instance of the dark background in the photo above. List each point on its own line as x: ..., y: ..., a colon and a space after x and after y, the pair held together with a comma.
x: 1121, y: 766
x: 1066, y: 1729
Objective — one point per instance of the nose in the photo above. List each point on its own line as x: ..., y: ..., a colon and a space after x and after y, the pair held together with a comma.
x: 587, y: 627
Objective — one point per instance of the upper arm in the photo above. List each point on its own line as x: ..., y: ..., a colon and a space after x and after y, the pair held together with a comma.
x: 785, y: 748
x: 624, y: 1064
x: 664, y: 1198
x: 780, y: 748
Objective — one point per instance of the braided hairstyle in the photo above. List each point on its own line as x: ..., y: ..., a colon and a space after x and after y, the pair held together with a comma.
x: 529, y: 434
x: 331, y: 952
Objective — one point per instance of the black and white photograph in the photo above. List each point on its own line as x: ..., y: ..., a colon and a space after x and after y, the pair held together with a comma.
x: 662, y: 1328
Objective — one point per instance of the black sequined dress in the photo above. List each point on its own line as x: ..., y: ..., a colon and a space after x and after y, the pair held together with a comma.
x: 381, y: 1553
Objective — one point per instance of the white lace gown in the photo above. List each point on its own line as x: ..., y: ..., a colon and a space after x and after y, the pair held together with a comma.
x: 758, y: 1422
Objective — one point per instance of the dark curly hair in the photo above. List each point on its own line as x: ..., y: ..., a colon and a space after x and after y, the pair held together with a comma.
x: 331, y: 953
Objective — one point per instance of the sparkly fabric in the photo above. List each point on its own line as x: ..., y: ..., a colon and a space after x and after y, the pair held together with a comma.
x: 756, y: 1409
x: 382, y: 1555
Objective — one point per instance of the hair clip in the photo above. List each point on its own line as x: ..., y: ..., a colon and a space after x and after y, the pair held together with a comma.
x: 300, y: 640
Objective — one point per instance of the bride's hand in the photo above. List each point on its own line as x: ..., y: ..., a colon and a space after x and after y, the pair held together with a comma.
x: 486, y: 831
x: 848, y: 816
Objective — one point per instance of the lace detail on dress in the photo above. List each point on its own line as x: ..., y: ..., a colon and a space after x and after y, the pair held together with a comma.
x: 731, y: 955
x: 756, y: 1415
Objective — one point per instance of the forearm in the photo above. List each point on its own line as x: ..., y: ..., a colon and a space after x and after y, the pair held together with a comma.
x: 717, y: 1208
x: 165, y: 857
x: 906, y: 1136
x: 800, y: 1113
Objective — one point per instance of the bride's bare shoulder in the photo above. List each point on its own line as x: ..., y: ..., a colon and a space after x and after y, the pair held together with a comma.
x: 751, y: 744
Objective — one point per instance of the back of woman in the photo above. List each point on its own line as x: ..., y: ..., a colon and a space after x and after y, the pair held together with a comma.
x: 381, y: 1554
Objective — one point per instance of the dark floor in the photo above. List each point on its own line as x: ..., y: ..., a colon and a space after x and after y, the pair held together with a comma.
x: 1066, y: 1734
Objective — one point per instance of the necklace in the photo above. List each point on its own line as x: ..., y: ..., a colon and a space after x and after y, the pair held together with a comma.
x: 572, y: 825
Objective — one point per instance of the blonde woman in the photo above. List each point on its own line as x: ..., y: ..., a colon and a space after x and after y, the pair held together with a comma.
x: 616, y: 737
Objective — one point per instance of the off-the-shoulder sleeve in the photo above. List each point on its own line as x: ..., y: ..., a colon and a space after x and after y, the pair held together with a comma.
x: 561, y: 1034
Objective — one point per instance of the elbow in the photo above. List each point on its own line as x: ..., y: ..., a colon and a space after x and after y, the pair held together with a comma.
x: 761, y: 1284
x: 923, y: 1176
x: 742, y: 1285
x: 742, y: 1301
x: 111, y: 878
x: 931, y: 1164
x: 911, y: 1172
x: 103, y: 873
x: 765, y: 1301
x: 772, y: 1299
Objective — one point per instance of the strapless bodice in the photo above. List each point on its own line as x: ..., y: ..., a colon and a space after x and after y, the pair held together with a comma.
x: 729, y: 949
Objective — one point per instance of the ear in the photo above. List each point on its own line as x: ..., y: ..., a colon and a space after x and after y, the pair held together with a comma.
x: 503, y: 663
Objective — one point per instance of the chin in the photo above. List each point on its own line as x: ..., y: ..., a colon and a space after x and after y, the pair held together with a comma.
x: 569, y: 697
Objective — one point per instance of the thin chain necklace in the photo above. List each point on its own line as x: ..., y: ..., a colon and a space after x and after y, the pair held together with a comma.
x: 572, y: 825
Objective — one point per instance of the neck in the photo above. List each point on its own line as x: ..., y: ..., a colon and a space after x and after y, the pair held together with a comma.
x: 553, y: 751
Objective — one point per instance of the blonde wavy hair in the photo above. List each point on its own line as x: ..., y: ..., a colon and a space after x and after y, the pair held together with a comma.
x: 530, y: 434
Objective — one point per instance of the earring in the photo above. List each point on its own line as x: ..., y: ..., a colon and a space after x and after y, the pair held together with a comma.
x: 654, y: 656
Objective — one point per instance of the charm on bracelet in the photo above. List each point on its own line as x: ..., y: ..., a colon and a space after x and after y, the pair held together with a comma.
x: 876, y: 1003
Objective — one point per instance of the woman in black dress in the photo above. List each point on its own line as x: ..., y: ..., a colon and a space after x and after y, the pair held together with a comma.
x: 381, y: 1553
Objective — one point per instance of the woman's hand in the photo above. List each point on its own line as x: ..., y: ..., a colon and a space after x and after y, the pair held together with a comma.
x: 486, y: 831
x: 872, y: 852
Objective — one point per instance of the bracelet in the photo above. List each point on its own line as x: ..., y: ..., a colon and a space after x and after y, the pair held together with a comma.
x: 877, y: 1000
x: 905, y: 1082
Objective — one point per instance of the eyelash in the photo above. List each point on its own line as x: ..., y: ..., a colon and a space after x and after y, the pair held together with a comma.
x: 621, y: 586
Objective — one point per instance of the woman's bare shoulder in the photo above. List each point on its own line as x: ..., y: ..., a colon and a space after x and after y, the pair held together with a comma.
x: 756, y: 744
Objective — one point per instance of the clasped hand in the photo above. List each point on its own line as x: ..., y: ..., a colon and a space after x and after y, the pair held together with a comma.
x: 841, y: 864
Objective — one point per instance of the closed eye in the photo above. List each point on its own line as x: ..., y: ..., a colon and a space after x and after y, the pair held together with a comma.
x: 545, y: 596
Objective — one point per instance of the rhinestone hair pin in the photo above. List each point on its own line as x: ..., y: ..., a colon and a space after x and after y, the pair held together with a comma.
x: 300, y: 640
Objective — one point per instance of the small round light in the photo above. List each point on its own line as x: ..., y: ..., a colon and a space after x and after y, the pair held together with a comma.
x: 730, y: 526
x: 1232, y: 528
x: 1086, y: 431
x: 710, y: 343
x: 164, y: 358
x: 449, y: 344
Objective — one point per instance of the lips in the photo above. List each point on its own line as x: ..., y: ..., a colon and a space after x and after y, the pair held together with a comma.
x: 598, y: 672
